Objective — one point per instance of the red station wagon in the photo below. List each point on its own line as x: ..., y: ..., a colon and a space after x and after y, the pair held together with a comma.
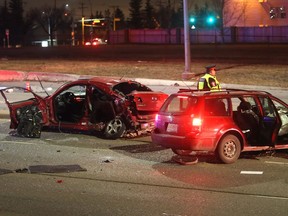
x: 225, y: 122
x: 111, y: 107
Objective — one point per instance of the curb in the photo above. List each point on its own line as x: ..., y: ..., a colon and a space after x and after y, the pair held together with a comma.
x: 10, y: 75
x: 4, y: 114
x: 51, y: 77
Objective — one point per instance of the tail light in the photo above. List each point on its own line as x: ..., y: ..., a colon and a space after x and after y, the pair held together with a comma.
x: 196, y: 124
x: 156, y: 118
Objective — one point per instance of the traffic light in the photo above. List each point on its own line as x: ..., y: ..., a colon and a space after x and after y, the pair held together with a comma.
x: 192, y: 20
x: 210, y: 20
x: 202, y: 21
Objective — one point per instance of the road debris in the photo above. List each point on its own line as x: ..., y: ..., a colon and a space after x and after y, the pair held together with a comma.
x: 185, y: 160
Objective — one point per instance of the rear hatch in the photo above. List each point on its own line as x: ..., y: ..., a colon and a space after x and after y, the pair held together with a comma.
x: 178, y: 116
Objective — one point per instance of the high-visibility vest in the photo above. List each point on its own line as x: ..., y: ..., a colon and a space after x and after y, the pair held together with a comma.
x: 204, y: 84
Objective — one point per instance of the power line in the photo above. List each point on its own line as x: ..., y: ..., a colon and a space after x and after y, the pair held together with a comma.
x: 82, y: 7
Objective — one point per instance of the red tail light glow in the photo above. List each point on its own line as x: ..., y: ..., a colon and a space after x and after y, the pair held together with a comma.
x: 196, y: 122
x: 156, y: 117
x: 184, y: 97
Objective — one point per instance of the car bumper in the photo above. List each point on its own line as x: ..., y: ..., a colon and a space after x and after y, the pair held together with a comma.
x: 183, y: 142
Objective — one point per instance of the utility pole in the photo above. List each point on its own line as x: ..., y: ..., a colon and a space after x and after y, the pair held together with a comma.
x: 91, y: 7
x: 114, y: 7
x: 186, y: 74
x: 82, y: 7
x: 83, y: 22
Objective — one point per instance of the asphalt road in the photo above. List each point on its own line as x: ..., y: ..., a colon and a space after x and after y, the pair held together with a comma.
x: 133, y: 177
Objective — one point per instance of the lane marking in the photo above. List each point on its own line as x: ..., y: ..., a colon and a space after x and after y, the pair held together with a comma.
x: 251, y: 172
x: 278, y: 163
x: 272, y: 197
x: 13, y: 142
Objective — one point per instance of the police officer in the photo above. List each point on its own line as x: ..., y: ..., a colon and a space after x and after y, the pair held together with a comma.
x: 209, y: 82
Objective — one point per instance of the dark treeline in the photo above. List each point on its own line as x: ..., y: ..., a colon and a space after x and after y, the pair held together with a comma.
x: 19, y: 27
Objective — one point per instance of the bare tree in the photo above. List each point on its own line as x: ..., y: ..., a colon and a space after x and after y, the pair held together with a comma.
x: 230, y: 12
x: 51, y: 19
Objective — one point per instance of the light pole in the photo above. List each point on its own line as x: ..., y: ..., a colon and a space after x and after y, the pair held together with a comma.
x: 47, y: 15
x: 186, y: 74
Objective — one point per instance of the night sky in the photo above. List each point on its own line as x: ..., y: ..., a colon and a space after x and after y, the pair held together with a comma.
x: 89, y: 5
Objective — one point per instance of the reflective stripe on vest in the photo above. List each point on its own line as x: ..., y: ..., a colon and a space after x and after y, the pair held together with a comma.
x: 204, y: 79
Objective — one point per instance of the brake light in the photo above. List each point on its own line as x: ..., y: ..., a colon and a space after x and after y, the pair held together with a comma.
x: 196, y: 122
x: 182, y: 97
x: 156, y: 118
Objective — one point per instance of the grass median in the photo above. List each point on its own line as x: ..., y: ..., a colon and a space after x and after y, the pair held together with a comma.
x: 258, y: 71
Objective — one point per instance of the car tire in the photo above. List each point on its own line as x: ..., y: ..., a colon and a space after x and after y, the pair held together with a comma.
x: 229, y: 149
x: 114, y: 129
x: 182, y: 152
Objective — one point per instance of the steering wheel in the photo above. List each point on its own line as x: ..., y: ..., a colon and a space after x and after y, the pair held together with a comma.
x: 68, y: 97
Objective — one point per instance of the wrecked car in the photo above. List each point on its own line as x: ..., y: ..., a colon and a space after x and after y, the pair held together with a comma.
x: 226, y: 122
x: 109, y: 107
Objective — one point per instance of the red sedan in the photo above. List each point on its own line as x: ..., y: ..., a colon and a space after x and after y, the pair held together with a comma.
x: 111, y: 107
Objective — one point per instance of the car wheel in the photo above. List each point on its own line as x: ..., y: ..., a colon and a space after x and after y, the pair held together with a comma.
x: 182, y: 152
x: 114, y: 129
x: 229, y: 149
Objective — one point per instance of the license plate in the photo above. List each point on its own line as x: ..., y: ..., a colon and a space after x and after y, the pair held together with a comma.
x: 172, y: 128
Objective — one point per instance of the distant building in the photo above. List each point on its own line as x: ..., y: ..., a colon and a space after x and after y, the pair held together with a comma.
x: 251, y: 13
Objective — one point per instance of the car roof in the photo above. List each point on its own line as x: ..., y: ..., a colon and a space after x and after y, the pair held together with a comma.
x: 222, y: 93
x: 102, y: 80
x: 105, y: 83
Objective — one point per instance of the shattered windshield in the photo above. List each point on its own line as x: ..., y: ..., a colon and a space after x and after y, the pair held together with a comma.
x: 128, y: 87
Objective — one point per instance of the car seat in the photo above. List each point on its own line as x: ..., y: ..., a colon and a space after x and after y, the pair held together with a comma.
x: 220, y: 108
x: 247, y: 121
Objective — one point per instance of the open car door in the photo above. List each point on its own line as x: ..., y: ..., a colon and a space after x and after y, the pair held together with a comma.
x: 24, y: 107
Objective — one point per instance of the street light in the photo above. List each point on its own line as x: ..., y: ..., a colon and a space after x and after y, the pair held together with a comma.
x: 114, y: 23
x: 47, y: 15
x: 186, y: 74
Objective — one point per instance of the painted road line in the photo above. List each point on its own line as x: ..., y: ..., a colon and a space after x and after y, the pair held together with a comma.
x: 251, y: 172
x: 274, y: 162
x: 13, y: 142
